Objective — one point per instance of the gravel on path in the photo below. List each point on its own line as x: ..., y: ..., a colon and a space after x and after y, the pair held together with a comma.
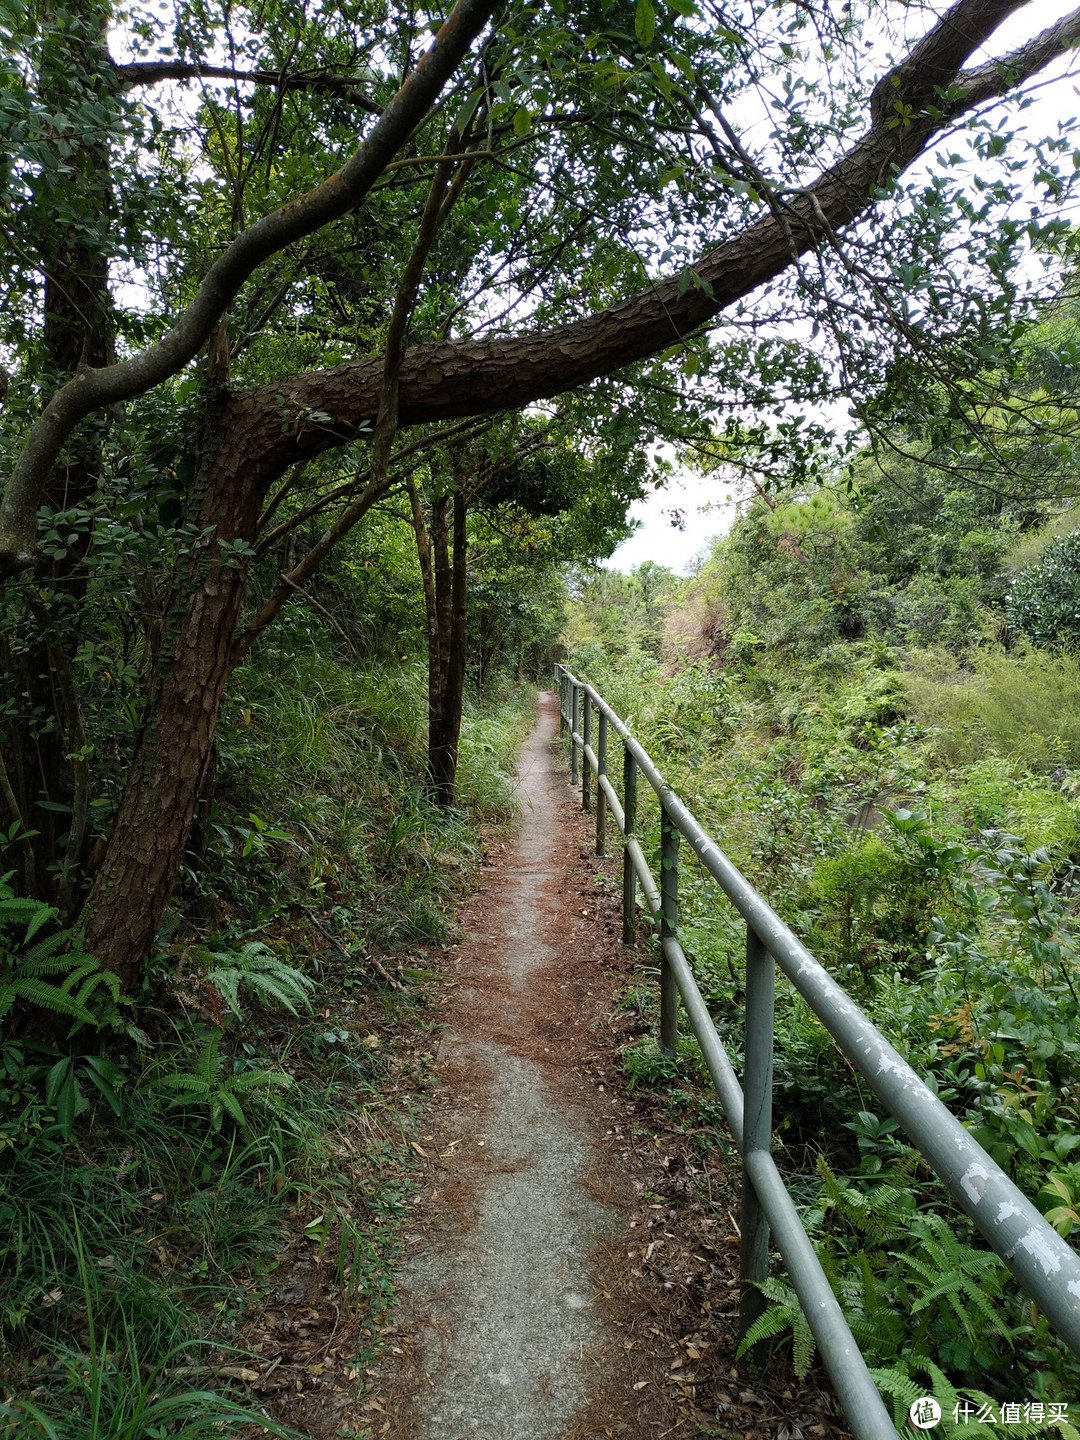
x: 506, y: 1312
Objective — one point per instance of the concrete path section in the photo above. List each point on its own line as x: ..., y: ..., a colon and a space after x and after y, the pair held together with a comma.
x: 500, y: 1301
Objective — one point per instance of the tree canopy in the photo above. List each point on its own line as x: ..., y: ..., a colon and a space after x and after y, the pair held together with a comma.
x: 266, y: 263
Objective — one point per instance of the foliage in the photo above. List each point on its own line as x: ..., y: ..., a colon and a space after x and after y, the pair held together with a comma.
x: 904, y: 790
x: 229, y: 1134
x: 210, y: 1083
x: 1021, y: 705
x: 23, y: 967
x: 1044, y: 602
x: 256, y: 967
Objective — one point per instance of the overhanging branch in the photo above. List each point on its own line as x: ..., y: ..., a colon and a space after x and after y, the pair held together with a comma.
x: 152, y: 72
x: 92, y: 389
x: 449, y: 379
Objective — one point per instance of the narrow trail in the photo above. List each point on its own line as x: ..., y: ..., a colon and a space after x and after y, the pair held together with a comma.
x: 506, y: 1314
x: 571, y: 1270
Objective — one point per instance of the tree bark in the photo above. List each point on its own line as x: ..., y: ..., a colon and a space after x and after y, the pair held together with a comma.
x: 43, y: 742
x: 431, y: 613
x: 443, y: 758
x: 173, y: 754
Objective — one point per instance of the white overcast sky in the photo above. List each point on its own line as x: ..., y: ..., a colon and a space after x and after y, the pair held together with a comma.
x: 707, y: 505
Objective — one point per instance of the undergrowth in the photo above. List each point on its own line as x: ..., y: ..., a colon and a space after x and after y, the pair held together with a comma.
x: 927, y: 859
x: 162, y: 1153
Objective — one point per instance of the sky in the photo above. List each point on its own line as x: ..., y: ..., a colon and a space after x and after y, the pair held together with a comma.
x: 707, y: 506
x: 708, y: 509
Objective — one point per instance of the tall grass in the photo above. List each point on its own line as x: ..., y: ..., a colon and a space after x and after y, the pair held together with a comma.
x: 340, y: 749
x: 1023, y: 705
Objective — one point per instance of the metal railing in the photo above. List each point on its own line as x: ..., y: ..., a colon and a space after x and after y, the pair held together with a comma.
x: 1046, y: 1268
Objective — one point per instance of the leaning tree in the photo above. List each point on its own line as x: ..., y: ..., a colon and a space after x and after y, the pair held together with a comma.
x: 258, y: 238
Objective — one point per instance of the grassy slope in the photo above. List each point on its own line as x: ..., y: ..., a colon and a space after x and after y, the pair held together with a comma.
x: 793, y: 767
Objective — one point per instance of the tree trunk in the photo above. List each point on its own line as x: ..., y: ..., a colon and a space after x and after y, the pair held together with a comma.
x: 43, y: 745
x: 443, y: 743
x: 174, y: 752
x: 445, y: 581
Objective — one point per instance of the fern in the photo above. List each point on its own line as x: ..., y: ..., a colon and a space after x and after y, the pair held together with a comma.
x: 33, y: 913
x: 879, y: 1328
x: 873, y: 1212
x: 898, y: 1382
x: 23, y: 971
x: 257, y: 967
x: 957, y: 1273
x: 213, y: 1086
x: 783, y: 1315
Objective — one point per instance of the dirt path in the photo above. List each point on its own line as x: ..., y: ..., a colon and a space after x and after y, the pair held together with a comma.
x: 506, y: 1312
x: 571, y: 1272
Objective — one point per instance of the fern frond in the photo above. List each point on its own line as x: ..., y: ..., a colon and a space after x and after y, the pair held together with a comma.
x: 804, y: 1344
x: 193, y: 1084
x: 261, y: 1080
x: 95, y: 979
x: 774, y: 1288
x: 777, y: 1320
x: 896, y: 1381
x: 986, y: 1308
x: 33, y: 913
x: 48, y: 997
x: 46, y: 949
x: 232, y: 1106
x: 282, y: 990
x: 226, y: 981
x: 208, y: 1065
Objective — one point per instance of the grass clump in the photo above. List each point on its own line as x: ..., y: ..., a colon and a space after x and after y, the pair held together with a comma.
x: 1024, y: 705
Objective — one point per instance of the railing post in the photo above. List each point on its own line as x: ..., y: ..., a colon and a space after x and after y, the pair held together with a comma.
x: 575, y: 702
x: 586, y: 737
x: 757, y: 1135
x: 601, y: 769
x: 669, y: 924
x: 629, y: 879
x: 560, y: 675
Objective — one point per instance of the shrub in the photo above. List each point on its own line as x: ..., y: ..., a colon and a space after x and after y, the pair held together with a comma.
x: 1025, y: 705
x: 1044, y: 602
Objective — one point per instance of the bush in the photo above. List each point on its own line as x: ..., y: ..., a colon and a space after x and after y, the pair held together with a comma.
x: 1044, y: 602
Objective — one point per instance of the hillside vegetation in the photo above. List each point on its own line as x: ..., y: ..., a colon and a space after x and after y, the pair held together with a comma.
x: 870, y: 695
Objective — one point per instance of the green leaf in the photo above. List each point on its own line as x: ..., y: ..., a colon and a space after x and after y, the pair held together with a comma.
x: 55, y: 1079
x: 644, y: 22
x: 104, y: 1085
x: 70, y: 1104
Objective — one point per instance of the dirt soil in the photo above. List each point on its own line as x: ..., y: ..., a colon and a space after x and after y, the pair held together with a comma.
x: 572, y: 1267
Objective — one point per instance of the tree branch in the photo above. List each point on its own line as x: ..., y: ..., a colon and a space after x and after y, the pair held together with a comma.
x: 447, y: 379
x: 441, y: 195
x: 92, y: 389
x: 153, y: 72
x: 471, y: 426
